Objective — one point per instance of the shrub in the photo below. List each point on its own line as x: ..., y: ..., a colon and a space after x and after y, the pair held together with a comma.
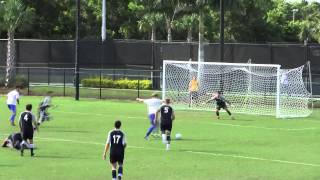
x: 120, y: 83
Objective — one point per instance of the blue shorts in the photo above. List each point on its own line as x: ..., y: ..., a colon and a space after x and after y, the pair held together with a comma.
x: 12, y: 108
x: 152, y: 117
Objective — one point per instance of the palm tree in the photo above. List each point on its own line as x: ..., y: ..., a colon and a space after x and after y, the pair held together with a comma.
x: 170, y: 9
x: 150, y: 21
x: 187, y: 23
x: 13, y: 14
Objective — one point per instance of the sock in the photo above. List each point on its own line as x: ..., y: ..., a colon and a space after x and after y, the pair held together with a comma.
x: 217, y: 113
x: 114, y: 174
x: 229, y: 112
x: 31, y: 151
x: 168, y: 146
x: 168, y: 139
x: 164, y: 138
x: 150, y: 130
x: 120, y: 169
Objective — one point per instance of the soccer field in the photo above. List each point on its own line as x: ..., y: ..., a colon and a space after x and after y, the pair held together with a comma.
x: 250, y: 147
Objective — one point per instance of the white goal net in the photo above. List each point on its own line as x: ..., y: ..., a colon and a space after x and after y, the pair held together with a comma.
x: 262, y: 89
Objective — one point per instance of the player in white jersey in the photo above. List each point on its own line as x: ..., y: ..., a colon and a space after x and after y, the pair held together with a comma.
x: 153, y: 105
x: 12, y: 100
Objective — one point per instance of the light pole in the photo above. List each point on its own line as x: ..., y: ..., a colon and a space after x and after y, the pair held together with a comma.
x: 294, y: 11
x: 77, y: 49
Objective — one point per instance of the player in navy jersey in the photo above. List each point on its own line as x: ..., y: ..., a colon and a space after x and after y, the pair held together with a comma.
x: 13, y: 141
x: 27, y: 125
x: 221, y: 103
x: 167, y: 117
x: 116, y: 141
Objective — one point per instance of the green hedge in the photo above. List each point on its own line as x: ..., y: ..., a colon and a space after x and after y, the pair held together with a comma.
x: 120, y: 83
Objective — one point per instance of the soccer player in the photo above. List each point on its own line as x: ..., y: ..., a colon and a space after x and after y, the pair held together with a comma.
x: 167, y: 116
x: 116, y: 141
x: 13, y: 141
x: 43, y: 109
x: 27, y: 125
x: 153, y: 104
x: 193, y: 90
x: 221, y: 103
x: 12, y: 100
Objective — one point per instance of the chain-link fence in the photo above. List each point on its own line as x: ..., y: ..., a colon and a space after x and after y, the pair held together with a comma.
x: 94, y: 83
x: 60, y: 82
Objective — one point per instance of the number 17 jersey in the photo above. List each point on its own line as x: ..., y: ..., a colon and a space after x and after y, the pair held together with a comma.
x: 116, y: 139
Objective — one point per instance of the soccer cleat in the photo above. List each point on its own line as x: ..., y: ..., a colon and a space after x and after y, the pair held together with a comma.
x: 119, y: 178
x: 21, y: 152
x: 218, y: 117
x: 32, y: 154
x: 146, y: 138
x: 12, y: 123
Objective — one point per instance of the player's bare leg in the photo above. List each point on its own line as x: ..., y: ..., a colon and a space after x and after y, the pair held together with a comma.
x: 114, y: 171
x: 120, y: 171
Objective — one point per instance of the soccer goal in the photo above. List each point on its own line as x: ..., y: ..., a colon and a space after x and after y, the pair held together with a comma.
x: 262, y: 89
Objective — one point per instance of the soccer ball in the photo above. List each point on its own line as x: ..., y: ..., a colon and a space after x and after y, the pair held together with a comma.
x: 178, y: 136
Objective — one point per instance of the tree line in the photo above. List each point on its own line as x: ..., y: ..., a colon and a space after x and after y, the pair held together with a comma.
x: 169, y: 20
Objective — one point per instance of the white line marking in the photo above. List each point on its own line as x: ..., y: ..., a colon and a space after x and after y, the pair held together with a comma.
x: 212, y: 123
x: 193, y: 152
x: 255, y: 158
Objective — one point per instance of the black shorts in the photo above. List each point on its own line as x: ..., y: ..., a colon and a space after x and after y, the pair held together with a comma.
x: 165, y: 127
x: 116, y: 157
x: 27, y: 134
x: 221, y: 105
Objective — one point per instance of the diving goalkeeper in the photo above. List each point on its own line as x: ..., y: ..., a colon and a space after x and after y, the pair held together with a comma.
x: 221, y: 103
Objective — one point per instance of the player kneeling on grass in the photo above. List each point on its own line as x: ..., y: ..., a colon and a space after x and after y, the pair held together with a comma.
x: 27, y: 125
x: 221, y: 103
x: 13, y: 141
x: 116, y: 141
x: 167, y: 116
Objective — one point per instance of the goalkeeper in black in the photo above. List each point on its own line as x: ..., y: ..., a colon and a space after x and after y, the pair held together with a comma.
x: 221, y: 103
x: 27, y: 125
x: 116, y: 141
x: 167, y: 117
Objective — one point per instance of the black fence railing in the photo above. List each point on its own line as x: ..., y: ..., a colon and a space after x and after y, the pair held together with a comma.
x: 103, y: 83
x: 94, y: 83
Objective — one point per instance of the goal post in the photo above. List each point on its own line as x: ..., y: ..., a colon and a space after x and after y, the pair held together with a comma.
x: 251, y: 88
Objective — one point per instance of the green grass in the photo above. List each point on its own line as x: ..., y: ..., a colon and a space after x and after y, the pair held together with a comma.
x: 251, y: 147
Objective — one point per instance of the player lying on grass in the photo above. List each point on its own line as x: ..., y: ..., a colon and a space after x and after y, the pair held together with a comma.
x: 221, y: 102
x: 13, y: 141
x: 153, y: 104
x: 43, y: 114
x: 167, y: 117
x: 116, y: 141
